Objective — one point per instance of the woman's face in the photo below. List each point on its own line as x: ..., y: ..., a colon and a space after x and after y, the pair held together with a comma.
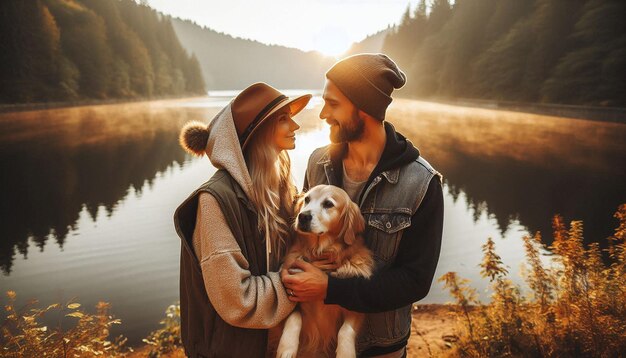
x: 285, y: 131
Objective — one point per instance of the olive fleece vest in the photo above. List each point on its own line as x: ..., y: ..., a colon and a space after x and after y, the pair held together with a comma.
x: 204, y: 333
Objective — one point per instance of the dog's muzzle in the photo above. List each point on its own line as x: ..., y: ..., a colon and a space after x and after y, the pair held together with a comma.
x: 304, y: 221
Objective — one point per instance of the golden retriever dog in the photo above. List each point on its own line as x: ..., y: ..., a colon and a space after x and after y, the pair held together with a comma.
x: 328, y: 224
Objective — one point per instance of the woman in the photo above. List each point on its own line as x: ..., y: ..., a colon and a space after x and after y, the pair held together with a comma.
x: 235, y: 227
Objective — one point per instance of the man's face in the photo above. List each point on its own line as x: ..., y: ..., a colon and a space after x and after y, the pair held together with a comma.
x: 346, y: 124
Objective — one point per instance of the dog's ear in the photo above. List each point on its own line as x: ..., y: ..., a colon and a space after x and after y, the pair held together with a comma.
x: 298, y: 200
x: 353, y: 223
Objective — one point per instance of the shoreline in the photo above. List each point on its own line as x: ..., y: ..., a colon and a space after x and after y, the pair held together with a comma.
x: 434, y: 330
x: 591, y: 113
x: 433, y: 333
x: 38, y: 106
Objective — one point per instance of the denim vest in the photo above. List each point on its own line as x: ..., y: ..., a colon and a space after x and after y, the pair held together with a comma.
x: 387, y: 204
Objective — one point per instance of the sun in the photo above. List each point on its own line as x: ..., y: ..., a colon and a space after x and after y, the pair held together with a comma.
x: 331, y: 41
x: 333, y: 49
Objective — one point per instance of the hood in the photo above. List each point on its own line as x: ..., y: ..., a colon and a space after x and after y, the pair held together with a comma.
x: 398, y: 151
x: 224, y: 151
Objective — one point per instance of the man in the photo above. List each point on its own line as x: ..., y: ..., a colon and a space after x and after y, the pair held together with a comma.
x: 400, y: 196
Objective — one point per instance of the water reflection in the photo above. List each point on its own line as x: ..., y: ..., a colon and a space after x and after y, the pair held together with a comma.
x: 510, y: 165
x: 55, y: 163
x: 524, y: 167
x: 102, y: 182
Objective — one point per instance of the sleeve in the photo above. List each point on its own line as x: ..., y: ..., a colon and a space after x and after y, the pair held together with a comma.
x: 409, y: 278
x: 241, y: 299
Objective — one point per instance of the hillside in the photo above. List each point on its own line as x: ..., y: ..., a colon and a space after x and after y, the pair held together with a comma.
x: 234, y: 63
x: 64, y: 50
x: 533, y: 51
x: 371, y: 44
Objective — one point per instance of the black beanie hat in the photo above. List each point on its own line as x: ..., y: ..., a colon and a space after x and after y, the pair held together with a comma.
x: 367, y: 79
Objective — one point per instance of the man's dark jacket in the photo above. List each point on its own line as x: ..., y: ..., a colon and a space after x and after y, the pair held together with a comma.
x: 402, y: 203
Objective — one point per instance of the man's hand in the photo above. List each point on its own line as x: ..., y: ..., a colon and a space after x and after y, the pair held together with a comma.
x: 327, y: 261
x: 304, y: 282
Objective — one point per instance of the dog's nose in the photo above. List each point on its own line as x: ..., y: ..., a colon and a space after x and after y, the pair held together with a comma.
x: 305, y: 217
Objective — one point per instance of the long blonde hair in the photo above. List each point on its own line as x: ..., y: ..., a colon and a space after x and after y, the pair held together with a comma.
x: 273, y: 190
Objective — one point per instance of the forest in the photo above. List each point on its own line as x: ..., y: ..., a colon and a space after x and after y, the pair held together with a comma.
x: 523, y: 51
x: 540, y: 51
x: 70, y: 50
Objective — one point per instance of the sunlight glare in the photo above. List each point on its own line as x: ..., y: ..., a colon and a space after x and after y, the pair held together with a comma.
x: 331, y: 41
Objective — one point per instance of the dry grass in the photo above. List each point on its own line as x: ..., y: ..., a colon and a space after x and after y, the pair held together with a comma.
x: 24, y: 336
x: 576, y: 306
x: 166, y: 341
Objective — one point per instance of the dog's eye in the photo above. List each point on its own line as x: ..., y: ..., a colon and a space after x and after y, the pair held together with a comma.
x: 327, y: 204
x: 306, y: 199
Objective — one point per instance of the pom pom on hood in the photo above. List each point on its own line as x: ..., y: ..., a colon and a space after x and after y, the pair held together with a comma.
x: 194, y: 137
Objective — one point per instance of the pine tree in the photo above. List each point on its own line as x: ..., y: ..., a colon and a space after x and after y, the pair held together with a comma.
x: 464, y: 40
x: 593, y: 71
x: 84, y: 42
x: 30, y: 56
x: 551, y: 31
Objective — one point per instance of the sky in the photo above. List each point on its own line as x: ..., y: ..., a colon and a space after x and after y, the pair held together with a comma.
x: 328, y: 26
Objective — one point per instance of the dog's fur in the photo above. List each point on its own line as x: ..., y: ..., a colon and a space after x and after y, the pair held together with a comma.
x: 327, y: 223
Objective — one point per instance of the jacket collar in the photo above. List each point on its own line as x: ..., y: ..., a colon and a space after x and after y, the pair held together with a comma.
x: 391, y: 175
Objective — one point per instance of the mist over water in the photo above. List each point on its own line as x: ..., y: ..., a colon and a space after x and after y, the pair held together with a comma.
x: 88, y: 193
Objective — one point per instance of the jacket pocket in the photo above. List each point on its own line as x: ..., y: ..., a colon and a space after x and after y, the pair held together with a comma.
x: 384, y: 233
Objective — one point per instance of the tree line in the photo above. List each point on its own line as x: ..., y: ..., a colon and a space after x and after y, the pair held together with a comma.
x: 551, y: 51
x: 233, y: 63
x: 65, y: 50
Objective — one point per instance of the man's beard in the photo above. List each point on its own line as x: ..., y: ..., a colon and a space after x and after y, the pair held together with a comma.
x: 351, y: 132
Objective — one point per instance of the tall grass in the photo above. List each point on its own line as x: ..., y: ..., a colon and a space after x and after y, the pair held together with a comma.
x: 23, y: 335
x: 166, y: 339
x: 575, y: 307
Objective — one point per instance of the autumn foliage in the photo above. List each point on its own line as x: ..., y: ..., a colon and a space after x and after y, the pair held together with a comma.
x: 23, y: 334
x: 575, y: 307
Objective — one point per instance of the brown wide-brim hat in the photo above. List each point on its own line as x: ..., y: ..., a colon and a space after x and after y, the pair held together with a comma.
x: 257, y: 103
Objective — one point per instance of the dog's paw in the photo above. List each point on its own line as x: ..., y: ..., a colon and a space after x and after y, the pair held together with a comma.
x: 286, y: 350
x: 286, y: 353
x: 346, y: 352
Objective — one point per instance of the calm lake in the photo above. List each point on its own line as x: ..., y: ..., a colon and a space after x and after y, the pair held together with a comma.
x: 88, y: 193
